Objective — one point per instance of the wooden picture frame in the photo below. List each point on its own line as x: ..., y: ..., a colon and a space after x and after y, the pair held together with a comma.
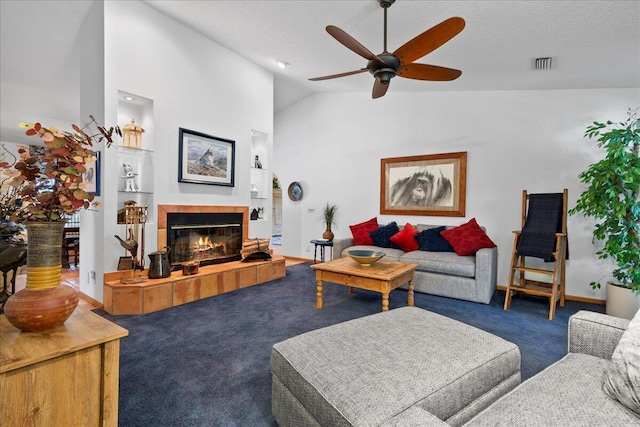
x: 205, y: 159
x: 429, y: 185
x: 91, y: 177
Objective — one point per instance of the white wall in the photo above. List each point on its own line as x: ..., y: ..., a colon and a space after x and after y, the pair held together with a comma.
x: 91, y: 42
x: 333, y: 143
x: 193, y: 83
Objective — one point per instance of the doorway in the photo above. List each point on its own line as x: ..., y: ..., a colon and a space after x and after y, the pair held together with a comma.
x: 276, y: 216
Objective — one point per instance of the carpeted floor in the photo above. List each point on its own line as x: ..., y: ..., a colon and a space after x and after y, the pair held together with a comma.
x: 207, y: 363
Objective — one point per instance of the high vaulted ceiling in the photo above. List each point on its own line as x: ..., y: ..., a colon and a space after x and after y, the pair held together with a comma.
x: 594, y: 44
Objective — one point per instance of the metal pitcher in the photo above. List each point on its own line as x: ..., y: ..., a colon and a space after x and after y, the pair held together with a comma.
x: 160, y: 266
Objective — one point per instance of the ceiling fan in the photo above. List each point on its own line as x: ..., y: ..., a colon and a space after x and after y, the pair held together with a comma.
x: 387, y: 65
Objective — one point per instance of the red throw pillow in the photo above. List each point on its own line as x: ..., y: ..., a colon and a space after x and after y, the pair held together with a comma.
x: 405, y: 238
x: 361, y: 232
x: 468, y: 238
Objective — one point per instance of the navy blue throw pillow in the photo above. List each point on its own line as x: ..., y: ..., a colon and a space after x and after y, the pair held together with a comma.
x: 382, y: 236
x: 431, y: 240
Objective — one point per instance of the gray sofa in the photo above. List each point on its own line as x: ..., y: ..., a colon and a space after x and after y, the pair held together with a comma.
x: 410, y: 368
x: 471, y: 278
x: 569, y: 392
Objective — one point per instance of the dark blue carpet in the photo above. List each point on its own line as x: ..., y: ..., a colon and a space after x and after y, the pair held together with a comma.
x: 207, y: 363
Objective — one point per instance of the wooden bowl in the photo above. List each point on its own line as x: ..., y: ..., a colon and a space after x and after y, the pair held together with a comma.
x: 365, y: 258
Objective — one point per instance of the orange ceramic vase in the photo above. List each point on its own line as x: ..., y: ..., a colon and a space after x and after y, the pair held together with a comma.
x: 44, y: 303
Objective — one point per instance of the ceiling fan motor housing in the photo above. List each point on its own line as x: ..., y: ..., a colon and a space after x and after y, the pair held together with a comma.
x: 384, y: 67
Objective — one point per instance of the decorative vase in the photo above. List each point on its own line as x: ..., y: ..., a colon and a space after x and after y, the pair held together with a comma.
x: 44, y: 303
x: 327, y: 233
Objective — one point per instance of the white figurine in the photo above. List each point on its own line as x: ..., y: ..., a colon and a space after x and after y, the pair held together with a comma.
x: 129, y: 178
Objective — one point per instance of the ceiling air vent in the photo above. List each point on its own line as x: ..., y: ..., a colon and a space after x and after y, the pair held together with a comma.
x: 543, y: 63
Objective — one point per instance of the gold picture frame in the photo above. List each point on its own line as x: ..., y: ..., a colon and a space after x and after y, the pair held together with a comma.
x: 428, y: 185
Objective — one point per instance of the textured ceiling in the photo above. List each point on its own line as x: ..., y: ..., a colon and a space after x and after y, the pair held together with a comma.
x: 594, y: 44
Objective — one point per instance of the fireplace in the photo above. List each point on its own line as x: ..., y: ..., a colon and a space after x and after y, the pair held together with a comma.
x: 209, y: 234
x: 210, y: 238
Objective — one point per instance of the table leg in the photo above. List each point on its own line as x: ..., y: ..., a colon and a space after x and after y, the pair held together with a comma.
x: 322, y: 253
x: 385, y: 301
x: 410, y: 294
x: 315, y: 251
x: 319, y: 294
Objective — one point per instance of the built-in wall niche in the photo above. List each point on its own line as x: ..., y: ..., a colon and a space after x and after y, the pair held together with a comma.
x: 140, y: 109
x: 259, y: 148
x: 260, y: 190
x: 135, y: 158
x: 260, y: 185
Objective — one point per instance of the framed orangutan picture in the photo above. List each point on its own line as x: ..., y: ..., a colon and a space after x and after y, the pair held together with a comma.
x: 205, y: 159
x: 429, y: 185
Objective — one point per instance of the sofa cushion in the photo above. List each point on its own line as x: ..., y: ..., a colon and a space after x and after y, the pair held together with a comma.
x: 567, y: 393
x: 431, y: 240
x: 405, y: 238
x: 442, y: 262
x: 468, y: 238
x: 360, y: 232
x: 365, y: 371
x: 382, y: 236
x: 622, y: 379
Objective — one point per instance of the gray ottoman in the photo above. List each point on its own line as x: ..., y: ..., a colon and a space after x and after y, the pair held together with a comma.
x: 367, y: 371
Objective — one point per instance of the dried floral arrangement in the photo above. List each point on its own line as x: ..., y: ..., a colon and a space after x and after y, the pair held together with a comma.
x: 51, y: 186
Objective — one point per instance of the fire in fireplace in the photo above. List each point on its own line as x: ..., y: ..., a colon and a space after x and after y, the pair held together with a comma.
x: 210, y: 238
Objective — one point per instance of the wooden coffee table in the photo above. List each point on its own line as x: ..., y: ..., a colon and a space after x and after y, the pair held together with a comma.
x: 382, y: 276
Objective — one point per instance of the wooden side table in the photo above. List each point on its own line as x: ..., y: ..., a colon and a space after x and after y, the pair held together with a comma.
x: 66, y: 376
x: 323, y: 244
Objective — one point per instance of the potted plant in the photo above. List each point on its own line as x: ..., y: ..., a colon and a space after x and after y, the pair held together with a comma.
x: 612, y: 198
x: 329, y: 217
x: 49, y: 186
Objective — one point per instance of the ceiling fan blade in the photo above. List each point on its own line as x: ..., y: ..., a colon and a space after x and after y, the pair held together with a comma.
x: 430, y: 40
x: 428, y: 72
x: 350, y: 42
x: 333, y: 76
x: 379, y: 89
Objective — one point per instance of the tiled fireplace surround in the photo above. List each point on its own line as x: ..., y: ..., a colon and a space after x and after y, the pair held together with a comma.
x: 159, y: 294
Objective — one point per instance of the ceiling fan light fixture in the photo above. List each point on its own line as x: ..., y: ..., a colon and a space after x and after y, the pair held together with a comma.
x: 282, y: 64
x: 384, y: 75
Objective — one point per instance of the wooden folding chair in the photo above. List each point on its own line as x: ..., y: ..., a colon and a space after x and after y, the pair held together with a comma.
x: 528, y: 242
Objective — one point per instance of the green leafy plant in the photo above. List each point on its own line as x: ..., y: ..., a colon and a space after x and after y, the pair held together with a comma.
x: 329, y: 213
x: 51, y: 186
x: 612, y: 197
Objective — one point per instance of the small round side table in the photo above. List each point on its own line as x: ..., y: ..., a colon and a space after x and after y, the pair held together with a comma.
x: 323, y: 244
